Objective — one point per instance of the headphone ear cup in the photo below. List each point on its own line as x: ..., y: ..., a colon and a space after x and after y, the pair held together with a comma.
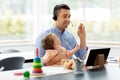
x: 55, y: 18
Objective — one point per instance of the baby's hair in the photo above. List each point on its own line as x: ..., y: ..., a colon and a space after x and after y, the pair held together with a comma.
x: 48, y: 42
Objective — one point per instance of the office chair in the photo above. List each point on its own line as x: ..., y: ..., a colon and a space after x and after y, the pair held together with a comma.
x: 11, y: 63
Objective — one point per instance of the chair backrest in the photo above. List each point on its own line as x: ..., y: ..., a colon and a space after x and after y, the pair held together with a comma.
x: 12, y: 63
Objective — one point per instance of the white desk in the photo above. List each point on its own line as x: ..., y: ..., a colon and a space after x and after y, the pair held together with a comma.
x: 48, y: 70
x: 26, y: 55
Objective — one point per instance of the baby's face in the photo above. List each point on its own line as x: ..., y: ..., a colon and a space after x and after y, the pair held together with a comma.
x: 57, y: 42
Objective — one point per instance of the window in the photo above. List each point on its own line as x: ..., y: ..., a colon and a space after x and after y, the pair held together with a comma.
x: 16, y: 21
x: 101, y: 18
x: 25, y: 19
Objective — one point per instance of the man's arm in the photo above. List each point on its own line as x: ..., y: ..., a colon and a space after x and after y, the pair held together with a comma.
x: 82, y: 35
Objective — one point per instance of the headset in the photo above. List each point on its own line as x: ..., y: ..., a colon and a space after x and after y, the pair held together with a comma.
x: 57, y: 8
x: 55, y: 12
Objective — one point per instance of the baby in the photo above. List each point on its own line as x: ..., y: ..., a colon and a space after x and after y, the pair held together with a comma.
x: 52, y: 42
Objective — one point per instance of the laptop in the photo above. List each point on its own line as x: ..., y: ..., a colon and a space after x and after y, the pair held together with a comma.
x: 93, y: 54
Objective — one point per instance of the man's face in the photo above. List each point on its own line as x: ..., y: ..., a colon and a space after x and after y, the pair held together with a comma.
x: 63, y: 18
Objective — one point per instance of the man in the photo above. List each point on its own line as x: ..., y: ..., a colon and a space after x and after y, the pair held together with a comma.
x: 61, y: 16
